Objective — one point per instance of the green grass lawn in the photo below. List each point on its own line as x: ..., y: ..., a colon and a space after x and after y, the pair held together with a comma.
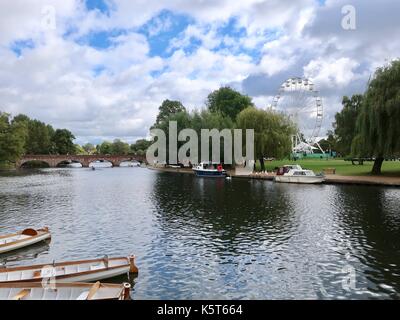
x: 389, y: 168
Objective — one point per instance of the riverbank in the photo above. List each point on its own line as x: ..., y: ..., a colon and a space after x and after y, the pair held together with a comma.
x: 342, y: 167
x: 330, y: 179
x: 6, y: 167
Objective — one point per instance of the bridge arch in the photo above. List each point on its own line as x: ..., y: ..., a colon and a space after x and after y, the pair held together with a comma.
x: 66, y: 162
x: 34, y: 164
x: 85, y: 160
x: 101, y: 160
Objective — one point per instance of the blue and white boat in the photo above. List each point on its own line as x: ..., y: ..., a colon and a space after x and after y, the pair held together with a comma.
x: 209, y: 169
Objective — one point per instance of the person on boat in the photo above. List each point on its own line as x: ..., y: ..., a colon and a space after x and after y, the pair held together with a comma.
x: 219, y: 167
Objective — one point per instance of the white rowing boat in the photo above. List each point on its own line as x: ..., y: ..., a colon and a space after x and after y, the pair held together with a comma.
x: 23, y: 239
x: 71, y: 271
x: 64, y: 291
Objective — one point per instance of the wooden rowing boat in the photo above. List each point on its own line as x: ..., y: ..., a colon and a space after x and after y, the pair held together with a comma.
x: 71, y: 271
x: 64, y: 291
x: 22, y: 239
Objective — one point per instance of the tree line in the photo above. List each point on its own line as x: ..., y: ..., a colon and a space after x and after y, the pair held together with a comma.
x: 117, y: 147
x: 368, y: 126
x: 21, y: 135
x: 227, y: 108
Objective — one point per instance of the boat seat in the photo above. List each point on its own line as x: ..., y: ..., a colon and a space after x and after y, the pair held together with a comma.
x: 93, y: 290
x: 22, y: 294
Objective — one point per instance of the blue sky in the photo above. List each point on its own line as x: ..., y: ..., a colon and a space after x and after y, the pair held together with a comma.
x: 107, y: 65
x: 100, y: 5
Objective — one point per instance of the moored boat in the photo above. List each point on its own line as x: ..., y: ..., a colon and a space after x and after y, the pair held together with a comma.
x: 22, y: 239
x: 208, y: 169
x: 286, y: 168
x: 71, y: 271
x: 64, y: 291
x: 299, y: 176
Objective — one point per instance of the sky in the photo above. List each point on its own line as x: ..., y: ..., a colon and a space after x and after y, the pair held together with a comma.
x: 101, y: 68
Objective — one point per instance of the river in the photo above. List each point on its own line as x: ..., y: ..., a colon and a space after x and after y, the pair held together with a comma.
x: 202, y: 238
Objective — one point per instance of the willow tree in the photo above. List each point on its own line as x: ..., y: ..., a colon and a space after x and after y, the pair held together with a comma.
x: 378, y: 125
x: 272, y: 132
x: 345, y: 123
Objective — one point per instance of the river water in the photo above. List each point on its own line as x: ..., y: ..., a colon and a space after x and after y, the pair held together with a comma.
x: 202, y: 238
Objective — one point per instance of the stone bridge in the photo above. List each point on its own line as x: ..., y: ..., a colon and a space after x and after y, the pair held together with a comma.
x: 55, y: 160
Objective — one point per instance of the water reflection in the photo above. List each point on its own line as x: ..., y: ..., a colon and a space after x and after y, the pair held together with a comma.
x: 24, y: 256
x: 212, y: 238
x: 372, y: 243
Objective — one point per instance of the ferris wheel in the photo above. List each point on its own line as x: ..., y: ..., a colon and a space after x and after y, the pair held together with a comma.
x: 298, y: 98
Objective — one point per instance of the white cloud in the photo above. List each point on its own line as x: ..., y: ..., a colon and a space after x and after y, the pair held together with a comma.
x: 331, y: 73
x: 116, y: 91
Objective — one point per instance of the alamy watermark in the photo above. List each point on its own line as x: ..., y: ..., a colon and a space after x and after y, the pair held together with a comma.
x: 188, y: 153
x: 349, y: 19
x: 48, y: 21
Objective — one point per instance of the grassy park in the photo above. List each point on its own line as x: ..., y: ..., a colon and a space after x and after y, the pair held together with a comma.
x: 345, y: 168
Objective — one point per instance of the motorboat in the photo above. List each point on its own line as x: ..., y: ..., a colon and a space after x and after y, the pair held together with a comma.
x: 299, y: 176
x: 286, y: 168
x: 71, y: 271
x: 64, y: 291
x: 209, y: 169
x: 23, y: 238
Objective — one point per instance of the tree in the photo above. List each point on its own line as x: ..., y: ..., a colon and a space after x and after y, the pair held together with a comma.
x: 378, y: 125
x: 228, y: 102
x: 12, y: 139
x: 79, y: 150
x: 89, y: 148
x: 328, y: 144
x: 345, y: 123
x: 332, y: 140
x: 168, y: 108
x: 183, y: 120
x: 272, y: 132
x: 324, y: 144
x: 210, y: 120
x: 119, y: 147
x: 63, y: 142
x: 39, y: 135
x: 105, y: 148
x: 140, y: 147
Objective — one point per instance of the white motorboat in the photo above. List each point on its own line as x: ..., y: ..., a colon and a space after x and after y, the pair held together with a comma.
x: 71, y: 271
x: 23, y: 238
x: 207, y: 169
x: 299, y: 176
x: 64, y: 291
